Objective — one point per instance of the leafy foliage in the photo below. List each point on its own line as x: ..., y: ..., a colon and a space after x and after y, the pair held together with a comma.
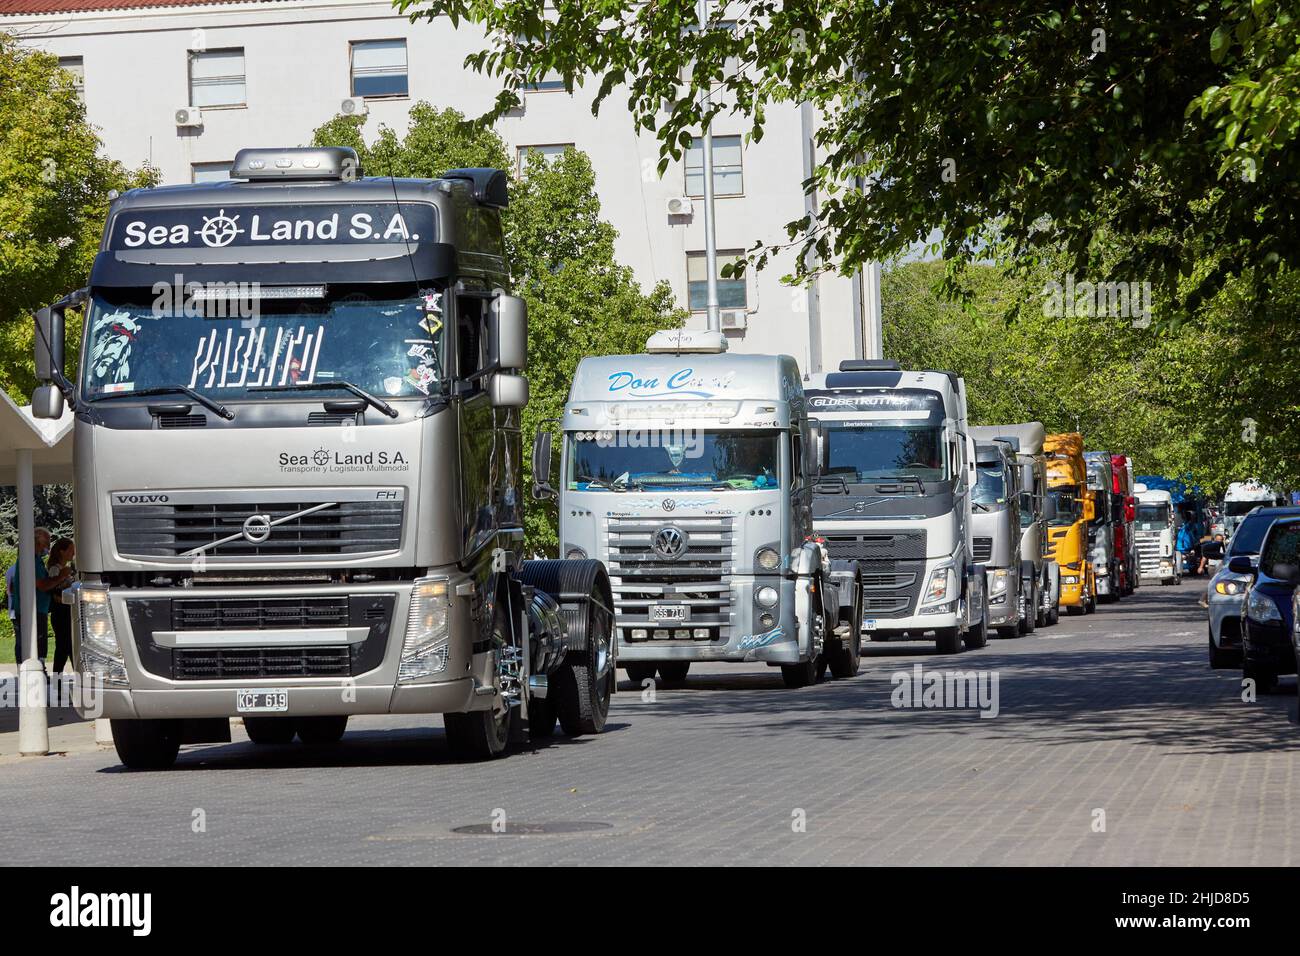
x: 1025, y: 124
x: 54, y: 194
x: 581, y: 301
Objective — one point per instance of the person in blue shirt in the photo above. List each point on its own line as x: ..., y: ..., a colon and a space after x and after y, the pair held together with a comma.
x: 46, y: 586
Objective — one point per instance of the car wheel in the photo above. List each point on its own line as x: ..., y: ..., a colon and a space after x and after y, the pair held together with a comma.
x: 1265, y: 678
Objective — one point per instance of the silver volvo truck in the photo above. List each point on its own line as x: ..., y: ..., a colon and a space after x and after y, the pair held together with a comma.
x: 297, y: 455
x: 1105, y: 558
x: 1040, y: 577
x: 995, y: 503
x: 895, y: 465
x: 685, y: 471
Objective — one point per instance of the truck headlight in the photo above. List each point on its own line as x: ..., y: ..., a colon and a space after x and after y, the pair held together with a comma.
x: 766, y: 596
x: 942, y: 584
x: 767, y: 559
x: 101, y: 654
x: 998, y: 581
x: 427, y: 644
x: 1262, y: 608
x: 573, y: 553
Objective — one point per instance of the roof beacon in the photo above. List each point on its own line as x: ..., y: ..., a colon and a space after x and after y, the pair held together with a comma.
x: 679, y: 341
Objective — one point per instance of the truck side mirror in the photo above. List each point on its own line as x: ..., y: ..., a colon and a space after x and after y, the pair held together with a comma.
x: 47, y: 401
x: 542, y: 487
x: 1027, y: 502
x: 507, y: 391
x: 49, y: 344
x: 508, y: 332
x: 1089, y: 509
x: 1049, y: 508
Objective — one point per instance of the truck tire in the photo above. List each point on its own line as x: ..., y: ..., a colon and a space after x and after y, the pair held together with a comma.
x: 585, y: 680
x: 846, y: 656
x: 146, y: 744
x: 1029, y: 620
x: 270, y: 730
x: 947, y: 640
x: 542, y: 714
x: 483, y: 734
x: 1054, y: 615
x: 323, y: 730
x: 1008, y: 632
x: 977, y: 637
x: 639, y: 673
x: 674, y: 672
x: 809, y: 671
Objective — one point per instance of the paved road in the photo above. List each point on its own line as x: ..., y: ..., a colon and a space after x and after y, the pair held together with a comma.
x: 1116, y: 712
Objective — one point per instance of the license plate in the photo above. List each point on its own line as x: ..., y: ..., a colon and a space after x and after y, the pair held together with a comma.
x: 261, y: 701
x: 868, y: 624
x: 669, y: 613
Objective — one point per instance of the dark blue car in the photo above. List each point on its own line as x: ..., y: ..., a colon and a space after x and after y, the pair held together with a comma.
x: 1267, y: 617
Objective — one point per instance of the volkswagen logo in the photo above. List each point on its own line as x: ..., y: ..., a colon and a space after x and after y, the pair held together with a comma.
x: 669, y: 542
x: 257, y: 528
x: 669, y: 504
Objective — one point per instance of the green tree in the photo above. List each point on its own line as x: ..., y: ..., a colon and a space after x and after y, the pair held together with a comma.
x: 55, y: 187
x: 1172, y: 126
x: 581, y: 301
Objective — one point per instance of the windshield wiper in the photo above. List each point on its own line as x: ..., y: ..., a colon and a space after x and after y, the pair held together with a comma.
x: 593, y: 482
x: 215, y: 407
x: 360, y: 393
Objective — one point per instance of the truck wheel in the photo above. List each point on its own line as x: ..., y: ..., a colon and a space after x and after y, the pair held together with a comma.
x: 270, y: 730
x: 846, y: 655
x: 1008, y: 632
x: 146, y: 744
x: 1054, y: 615
x: 586, y: 679
x: 542, y: 713
x: 799, y: 675
x: 317, y: 731
x: 1029, y: 620
x: 947, y: 640
x: 484, y: 734
x: 977, y: 637
x: 639, y: 673
x: 674, y: 672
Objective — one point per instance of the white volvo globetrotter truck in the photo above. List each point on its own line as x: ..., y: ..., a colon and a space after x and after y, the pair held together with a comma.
x: 297, y: 457
x: 895, y: 465
x: 684, y: 470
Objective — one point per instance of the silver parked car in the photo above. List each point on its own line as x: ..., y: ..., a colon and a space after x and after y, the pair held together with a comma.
x: 1227, y: 589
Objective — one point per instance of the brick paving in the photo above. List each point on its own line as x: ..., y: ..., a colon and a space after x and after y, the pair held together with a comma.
x: 1116, y: 712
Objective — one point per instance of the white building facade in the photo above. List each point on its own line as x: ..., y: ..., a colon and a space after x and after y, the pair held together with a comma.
x: 184, y: 85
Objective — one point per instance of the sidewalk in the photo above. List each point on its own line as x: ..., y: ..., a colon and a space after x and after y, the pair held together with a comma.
x: 68, y: 732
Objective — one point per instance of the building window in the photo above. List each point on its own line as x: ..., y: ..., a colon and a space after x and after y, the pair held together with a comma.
x: 550, y: 152
x: 731, y: 292
x: 728, y: 178
x: 210, y: 172
x: 75, y: 66
x: 549, y: 83
x: 379, y: 68
x: 217, y: 78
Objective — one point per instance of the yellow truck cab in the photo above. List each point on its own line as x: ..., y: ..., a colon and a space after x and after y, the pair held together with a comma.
x: 1067, y: 536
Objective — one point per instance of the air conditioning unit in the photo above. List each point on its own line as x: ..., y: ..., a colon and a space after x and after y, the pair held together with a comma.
x: 189, y: 116
x: 734, y: 319
x: 680, y: 206
x: 354, y: 106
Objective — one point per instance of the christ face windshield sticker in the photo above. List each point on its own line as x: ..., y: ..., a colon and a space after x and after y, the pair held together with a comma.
x: 376, y: 344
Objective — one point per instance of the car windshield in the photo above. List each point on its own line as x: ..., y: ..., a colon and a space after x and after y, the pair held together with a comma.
x: 1280, y: 557
x: 1152, y: 517
x: 713, y: 460
x: 1068, y: 507
x: 389, y: 345
x: 1250, y: 534
x: 990, y: 485
x: 869, y: 451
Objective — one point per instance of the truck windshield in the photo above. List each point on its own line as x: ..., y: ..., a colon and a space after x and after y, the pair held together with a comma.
x: 1101, y: 514
x: 990, y: 485
x: 868, y: 451
x: 1152, y: 517
x: 712, y: 460
x: 1238, y: 508
x: 389, y: 345
x: 1068, y: 507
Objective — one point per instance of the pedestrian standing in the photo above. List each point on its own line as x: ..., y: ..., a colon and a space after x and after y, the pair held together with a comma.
x: 60, y: 568
x: 44, y: 586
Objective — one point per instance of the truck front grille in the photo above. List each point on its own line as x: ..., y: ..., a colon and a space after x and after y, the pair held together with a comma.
x: 698, y: 579
x: 890, y: 588
x: 232, y: 663
x: 175, y: 529
x: 215, y: 615
x: 894, y: 545
x: 1148, y: 548
x: 983, y: 549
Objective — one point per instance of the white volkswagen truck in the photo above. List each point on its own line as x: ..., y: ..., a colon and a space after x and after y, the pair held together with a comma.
x: 684, y: 470
x: 895, y: 467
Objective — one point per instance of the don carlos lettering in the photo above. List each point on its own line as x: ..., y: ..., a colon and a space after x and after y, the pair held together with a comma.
x: 325, y: 460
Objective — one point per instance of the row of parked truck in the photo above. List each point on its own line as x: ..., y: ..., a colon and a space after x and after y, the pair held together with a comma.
x: 299, y: 494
